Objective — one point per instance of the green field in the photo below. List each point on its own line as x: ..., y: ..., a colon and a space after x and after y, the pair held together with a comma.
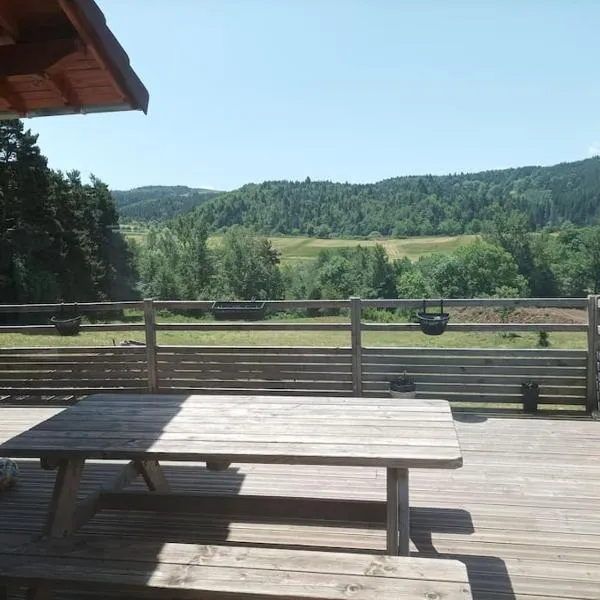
x: 299, y: 338
x: 295, y: 249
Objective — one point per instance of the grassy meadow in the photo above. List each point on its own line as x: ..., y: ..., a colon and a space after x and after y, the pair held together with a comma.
x: 295, y: 248
x: 298, y: 338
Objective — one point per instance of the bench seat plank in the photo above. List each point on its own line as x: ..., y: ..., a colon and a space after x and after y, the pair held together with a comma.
x: 184, y: 570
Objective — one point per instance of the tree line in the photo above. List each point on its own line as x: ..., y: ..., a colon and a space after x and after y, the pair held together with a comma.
x: 557, y: 196
x: 158, y: 202
x: 59, y: 237
x: 177, y: 262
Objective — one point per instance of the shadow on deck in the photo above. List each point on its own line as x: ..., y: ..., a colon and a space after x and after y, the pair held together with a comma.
x: 523, y: 513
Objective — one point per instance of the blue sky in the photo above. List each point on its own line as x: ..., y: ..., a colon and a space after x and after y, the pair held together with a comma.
x: 347, y: 90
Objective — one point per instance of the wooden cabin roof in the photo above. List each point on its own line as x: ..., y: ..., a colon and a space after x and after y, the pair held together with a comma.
x: 60, y: 57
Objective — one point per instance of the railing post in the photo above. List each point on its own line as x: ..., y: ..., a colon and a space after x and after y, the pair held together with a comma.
x: 592, y: 348
x: 356, y: 340
x: 150, y: 328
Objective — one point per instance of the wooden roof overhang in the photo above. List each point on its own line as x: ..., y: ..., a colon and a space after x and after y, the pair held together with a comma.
x: 60, y: 57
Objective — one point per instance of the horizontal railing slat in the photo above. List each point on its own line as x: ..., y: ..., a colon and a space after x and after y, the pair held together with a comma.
x: 483, y: 327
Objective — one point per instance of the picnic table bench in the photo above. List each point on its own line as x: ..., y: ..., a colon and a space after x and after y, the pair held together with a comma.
x: 190, y: 570
x: 145, y: 429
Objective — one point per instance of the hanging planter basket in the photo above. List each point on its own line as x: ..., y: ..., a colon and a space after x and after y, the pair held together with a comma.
x: 238, y: 311
x: 433, y: 323
x: 67, y: 321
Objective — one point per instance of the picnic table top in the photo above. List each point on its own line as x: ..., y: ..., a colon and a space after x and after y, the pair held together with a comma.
x: 388, y: 432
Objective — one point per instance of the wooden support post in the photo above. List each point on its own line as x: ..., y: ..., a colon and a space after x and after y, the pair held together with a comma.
x: 592, y: 356
x: 90, y: 505
x: 398, y: 513
x: 61, y: 518
x: 356, y: 340
x: 153, y: 475
x: 150, y: 325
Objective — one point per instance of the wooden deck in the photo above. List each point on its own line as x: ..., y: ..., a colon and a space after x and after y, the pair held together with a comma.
x: 523, y: 513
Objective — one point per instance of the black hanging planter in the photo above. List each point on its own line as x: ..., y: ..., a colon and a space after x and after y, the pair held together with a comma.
x: 530, y: 392
x: 433, y: 323
x: 238, y: 310
x: 68, y: 321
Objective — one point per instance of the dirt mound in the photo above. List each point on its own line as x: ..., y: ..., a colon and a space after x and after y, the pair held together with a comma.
x: 518, y: 315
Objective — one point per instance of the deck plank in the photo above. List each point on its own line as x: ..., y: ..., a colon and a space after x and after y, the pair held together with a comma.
x: 523, y: 514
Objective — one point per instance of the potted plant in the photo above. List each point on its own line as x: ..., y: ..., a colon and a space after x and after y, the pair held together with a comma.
x: 530, y: 391
x: 403, y: 387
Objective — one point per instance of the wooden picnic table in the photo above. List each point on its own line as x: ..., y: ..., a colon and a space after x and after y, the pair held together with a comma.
x: 395, y: 434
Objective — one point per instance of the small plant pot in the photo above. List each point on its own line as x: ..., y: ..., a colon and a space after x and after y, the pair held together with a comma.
x: 407, y: 394
x: 530, y: 393
x: 401, y: 389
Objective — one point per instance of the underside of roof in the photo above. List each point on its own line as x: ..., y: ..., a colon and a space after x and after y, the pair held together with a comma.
x: 59, y: 57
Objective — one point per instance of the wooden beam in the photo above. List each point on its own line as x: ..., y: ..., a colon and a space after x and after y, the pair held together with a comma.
x: 35, y: 57
x: 14, y: 99
x: 257, y: 508
x: 74, y: 14
x: 153, y: 475
x: 62, y: 86
x: 90, y: 506
x: 8, y: 21
x: 64, y: 498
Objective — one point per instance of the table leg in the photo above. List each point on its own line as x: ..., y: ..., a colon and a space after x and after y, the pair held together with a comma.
x: 153, y: 475
x: 398, y: 519
x: 64, y: 498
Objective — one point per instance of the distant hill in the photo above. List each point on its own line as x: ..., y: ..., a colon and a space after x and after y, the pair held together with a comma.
x: 158, y: 202
x: 416, y: 205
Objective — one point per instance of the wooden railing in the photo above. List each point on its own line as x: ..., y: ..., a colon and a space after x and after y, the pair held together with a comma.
x: 567, y: 377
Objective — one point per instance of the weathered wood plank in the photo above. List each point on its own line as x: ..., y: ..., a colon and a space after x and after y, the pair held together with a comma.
x: 482, y: 327
x: 64, y: 498
x: 442, y: 352
x: 81, y: 306
x: 592, y: 353
x: 456, y: 378
x: 239, y: 572
x: 256, y: 350
x: 153, y: 475
x: 151, y: 350
x: 413, y: 447
x: 89, y: 506
x: 254, y: 384
x: 356, y: 344
x: 402, y: 362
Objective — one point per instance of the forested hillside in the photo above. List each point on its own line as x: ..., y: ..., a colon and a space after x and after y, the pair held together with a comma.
x: 428, y: 205
x: 59, y: 238
x: 158, y: 202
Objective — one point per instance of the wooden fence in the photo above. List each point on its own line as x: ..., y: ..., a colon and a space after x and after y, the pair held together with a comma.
x: 468, y: 375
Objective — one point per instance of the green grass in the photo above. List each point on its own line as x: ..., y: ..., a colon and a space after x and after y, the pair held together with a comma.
x: 296, y: 249
x: 300, y: 338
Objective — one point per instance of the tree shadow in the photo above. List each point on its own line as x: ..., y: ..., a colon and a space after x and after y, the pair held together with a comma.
x: 109, y: 430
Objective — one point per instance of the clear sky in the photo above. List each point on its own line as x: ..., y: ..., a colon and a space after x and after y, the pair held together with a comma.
x: 347, y: 90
